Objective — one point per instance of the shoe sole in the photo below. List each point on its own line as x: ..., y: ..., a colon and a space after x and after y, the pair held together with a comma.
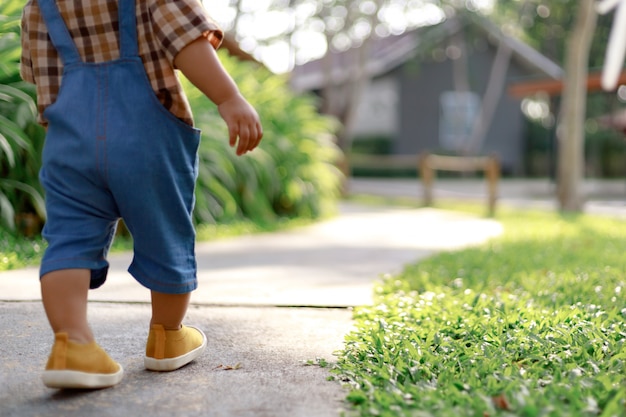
x: 80, y: 380
x: 172, y: 364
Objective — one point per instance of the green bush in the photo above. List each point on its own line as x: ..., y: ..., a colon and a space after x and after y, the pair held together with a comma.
x: 372, y: 145
x: 605, y: 150
x: 21, y: 138
x: 291, y: 174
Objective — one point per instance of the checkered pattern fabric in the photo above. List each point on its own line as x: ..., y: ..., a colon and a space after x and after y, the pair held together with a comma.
x: 164, y: 28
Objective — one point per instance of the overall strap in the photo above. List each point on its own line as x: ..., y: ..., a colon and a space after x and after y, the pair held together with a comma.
x: 128, y: 29
x: 58, y: 32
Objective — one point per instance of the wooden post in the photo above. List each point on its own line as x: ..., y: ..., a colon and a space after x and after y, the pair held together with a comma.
x: 492, y: 174
x: 344, y: 166
x: 427, y: 173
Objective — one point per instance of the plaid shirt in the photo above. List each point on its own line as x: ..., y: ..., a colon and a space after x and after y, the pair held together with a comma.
x: 164, y: 28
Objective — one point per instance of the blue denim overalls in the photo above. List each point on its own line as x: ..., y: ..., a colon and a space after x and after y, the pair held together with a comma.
x: 112, y: 150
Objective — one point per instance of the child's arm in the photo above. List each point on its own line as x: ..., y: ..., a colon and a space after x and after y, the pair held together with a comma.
x: 200, y: 64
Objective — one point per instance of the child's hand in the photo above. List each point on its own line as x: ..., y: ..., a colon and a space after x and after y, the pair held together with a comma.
x: 243, y: 123
x: 198, y: 59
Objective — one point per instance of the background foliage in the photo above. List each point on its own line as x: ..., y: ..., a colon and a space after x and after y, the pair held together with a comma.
x: 545, y: 25
x: 21, y: 138
x: 291, y: 174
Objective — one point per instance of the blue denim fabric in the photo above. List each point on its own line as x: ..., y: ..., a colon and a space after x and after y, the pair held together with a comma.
x: 113, y: 151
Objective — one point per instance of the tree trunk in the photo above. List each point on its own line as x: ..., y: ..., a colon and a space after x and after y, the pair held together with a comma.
x: 359, y: 83
x: 460, y: 66
x: 572, y: 127
x: 356, y: 86
x: 238, y: 14
x: 352, y: 92
x: 342, y: 99
x: 328, y: 104
x: 491, y: 98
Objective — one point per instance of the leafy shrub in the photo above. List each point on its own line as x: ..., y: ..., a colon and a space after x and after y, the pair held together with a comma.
x: 372, y: 145
x: 291, y: 174
x: 21, y: 138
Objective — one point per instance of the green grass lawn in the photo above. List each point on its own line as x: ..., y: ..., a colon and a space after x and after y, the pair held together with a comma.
x: 530, y: 324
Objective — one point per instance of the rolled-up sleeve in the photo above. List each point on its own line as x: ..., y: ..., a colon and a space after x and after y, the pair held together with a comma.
x: 26, y: 63
x: 177, y: 23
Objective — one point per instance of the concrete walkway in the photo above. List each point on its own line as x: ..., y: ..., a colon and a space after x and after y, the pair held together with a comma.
x: 268, y: 303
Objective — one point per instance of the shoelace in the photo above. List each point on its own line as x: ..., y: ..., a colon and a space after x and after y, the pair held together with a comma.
x: 616, y: 49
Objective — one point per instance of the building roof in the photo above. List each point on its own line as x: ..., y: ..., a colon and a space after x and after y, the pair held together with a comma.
x: 387, y: 53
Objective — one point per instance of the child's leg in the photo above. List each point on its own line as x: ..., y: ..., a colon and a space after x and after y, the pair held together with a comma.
x: 76, y: 361
x: 64, y: 295
x: 170, y: 344
x: 169, y: 310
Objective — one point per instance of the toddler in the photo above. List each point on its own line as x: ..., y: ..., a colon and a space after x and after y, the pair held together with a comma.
x: 120, y: 143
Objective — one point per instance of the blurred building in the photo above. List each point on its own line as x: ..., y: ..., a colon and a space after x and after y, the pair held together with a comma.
x: 426, y: 88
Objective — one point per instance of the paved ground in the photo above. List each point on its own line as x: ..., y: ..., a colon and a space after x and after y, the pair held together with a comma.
x: 268, y: 304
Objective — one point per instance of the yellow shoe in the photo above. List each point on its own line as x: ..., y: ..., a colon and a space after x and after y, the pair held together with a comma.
x: 168, y: 350
x: 75, y: 365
